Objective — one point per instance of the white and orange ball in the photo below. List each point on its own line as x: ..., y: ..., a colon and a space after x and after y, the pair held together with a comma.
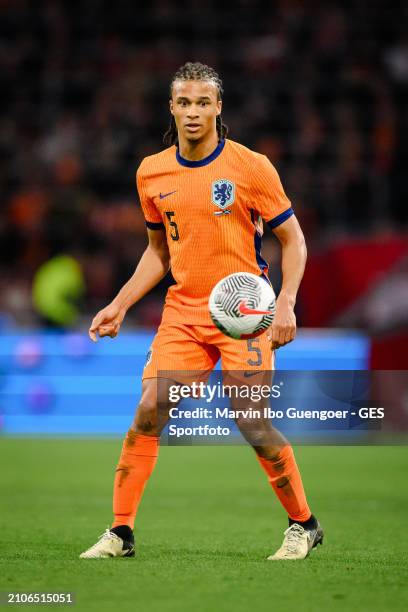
x: 242, y: 305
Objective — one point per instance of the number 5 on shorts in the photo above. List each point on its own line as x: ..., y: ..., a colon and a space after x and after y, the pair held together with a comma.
x: 253, y: 347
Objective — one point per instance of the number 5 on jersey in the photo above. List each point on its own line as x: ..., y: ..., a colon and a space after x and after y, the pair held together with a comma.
x: 174, y: 229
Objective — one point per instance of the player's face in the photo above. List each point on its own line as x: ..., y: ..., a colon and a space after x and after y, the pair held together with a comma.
x: 194, y: 106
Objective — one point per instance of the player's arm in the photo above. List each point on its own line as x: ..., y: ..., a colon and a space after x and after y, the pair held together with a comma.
x: 274, y: 206
x: 294, y: 254
x: 152, y: 267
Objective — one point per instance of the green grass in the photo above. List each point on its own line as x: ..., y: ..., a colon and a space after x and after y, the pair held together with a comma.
x: 206, y: 524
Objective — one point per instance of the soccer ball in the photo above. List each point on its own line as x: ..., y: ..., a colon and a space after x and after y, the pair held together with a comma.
x: 242, y: 305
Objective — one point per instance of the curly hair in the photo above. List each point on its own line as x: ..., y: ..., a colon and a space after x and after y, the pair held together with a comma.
x: 195, y: 71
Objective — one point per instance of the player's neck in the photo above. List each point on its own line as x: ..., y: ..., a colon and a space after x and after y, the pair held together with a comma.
x: 199, y: 149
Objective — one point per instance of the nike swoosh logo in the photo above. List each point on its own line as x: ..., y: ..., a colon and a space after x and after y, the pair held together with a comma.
x: 164, y: 195
x: 249, y: 374
x: 243, y: 309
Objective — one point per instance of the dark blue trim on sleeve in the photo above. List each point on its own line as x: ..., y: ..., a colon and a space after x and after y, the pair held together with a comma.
x: 201, y: 162
x: 280, y: 218
x: 154, y: 226
x: 263, y: 266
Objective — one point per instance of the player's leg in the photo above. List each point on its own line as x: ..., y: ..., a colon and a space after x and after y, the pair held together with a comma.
x: 137, y: 460
x: 277, y: 459
x: 174, y: 349
x: 139, y: 454
x: 273, y: 451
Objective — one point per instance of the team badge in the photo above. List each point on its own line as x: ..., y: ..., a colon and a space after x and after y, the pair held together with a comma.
x: 223, y: 195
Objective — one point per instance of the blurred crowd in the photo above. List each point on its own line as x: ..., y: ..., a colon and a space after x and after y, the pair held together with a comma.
x: 320, y: 87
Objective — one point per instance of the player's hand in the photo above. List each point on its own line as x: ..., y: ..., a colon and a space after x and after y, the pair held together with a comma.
x: 283, y: 329
x: 107, y: 322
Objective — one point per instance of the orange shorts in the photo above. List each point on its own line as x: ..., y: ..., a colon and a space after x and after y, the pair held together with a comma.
x: 197, y: 348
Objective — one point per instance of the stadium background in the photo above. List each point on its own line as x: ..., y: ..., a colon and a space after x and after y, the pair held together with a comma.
x: 322, y: 89
x: 84, y: 99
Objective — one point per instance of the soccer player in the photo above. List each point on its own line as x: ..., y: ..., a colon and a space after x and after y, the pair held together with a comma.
x: 204, y: 236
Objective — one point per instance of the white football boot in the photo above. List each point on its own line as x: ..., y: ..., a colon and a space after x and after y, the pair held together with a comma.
x: 109, y: 545
x: 298, y: 542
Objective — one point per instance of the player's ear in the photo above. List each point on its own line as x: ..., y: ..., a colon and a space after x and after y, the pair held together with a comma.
x: 219, y: 107
x: 171, y: 106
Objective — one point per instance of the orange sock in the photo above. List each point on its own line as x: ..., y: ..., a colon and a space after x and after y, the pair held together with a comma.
x: 136, y: 463
x: 284, y: 476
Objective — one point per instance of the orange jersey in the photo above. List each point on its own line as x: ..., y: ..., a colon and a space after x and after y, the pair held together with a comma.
x: 212, y: 210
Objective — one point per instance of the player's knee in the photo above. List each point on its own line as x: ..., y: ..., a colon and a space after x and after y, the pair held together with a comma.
x: 145, y: 420
x: 151, y: 414
x: 251, y: 430
x: 246, y: 424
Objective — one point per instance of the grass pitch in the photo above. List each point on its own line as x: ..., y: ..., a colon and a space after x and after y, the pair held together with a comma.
x: 205, y: 526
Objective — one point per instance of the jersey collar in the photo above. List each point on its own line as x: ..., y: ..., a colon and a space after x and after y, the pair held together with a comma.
x: 201, y: 162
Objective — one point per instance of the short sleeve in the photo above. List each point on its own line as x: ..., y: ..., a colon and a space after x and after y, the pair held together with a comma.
x: 268, y: 195
x: 151, y: 214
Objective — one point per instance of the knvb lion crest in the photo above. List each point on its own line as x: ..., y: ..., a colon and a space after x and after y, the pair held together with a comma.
x: 222, y: 195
